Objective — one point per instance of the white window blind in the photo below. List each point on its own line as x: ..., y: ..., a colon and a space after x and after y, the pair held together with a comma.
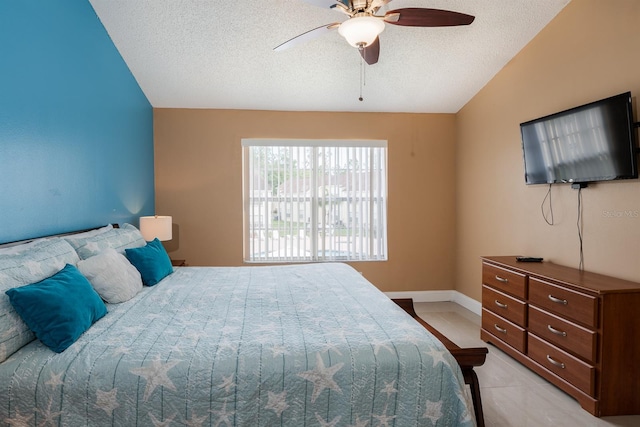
x: 314, y: 200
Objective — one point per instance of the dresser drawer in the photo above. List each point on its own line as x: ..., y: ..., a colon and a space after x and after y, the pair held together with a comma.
x: 504, y: 330
x: 561, y: 363
x: 504, y: 280
x: 505, y: 306
x: 569, y: 304
x: 576, y: 339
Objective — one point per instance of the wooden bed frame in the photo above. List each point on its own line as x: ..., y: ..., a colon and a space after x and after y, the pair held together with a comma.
x: 468, y: 358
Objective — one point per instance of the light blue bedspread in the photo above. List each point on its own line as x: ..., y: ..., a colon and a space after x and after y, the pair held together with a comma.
x: 302, y: 345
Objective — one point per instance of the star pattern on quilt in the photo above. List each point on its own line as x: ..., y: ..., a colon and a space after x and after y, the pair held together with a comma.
x: 465, y: 417
x: 224, y: 416
x: 196, y: 421
x: 19, y: 420
x: 176, y: 349
x: 188, y: 323
x: 433, y: 411
x: 407, y: 326
x: 278, y: 350
x: 155, y: 375
x: 337, y: 334
x: 416, y: 339
x: 120, y: 350
x: 277, y: 402
x: 264, y: 339
x: 226, y: 344
x: 384, y: 419
x: 47, y: 416
x: 148, y: 370
x: 318, y: 321
x: 389, y: 388
x: 54, y: 380
x: 196, y: 335
x: 324, y: 423
x: 157, y: 423
x: 359, y: 422
x: 303, y: 307
x: 275, y: 313
x: 368, y: 327
x: 107, y: 400
x: 379, y: 344
x: 227, y: 383
x: 268, y: 328
x: 322, y: 377
x: 437, y: 356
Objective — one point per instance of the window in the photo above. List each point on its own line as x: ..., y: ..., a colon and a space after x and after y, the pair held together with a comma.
x: 314, y: 200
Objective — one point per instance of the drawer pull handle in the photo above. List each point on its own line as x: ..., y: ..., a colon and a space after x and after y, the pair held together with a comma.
x: 556, y: 331
x: 501, y: 305
x: 558, y: 300
x: 499, y: 329
x: 555, y: 362
x: 501, y: 279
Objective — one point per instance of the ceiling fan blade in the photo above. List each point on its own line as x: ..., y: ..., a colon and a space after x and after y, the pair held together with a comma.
x: 420, y: 17
x: 305, y: 37
x: 327, y: 4
x: 371, y: 53
x: 377, y: 4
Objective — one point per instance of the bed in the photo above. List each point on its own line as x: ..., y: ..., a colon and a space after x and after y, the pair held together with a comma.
x: 312, y: 344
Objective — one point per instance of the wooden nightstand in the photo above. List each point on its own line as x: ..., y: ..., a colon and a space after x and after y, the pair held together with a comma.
x: 178, y: 262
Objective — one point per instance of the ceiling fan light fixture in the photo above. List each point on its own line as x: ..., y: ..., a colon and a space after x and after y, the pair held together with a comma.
x: 361, y: 31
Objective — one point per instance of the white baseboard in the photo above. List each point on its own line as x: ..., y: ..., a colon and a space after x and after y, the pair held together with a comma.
x: 468, y: 303
x: 440, y: 296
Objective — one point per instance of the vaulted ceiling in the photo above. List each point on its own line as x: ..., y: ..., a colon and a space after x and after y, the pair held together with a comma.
x: 219, y: 54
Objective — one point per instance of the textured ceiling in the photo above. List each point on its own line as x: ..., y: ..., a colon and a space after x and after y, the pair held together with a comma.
x: 219, y: 54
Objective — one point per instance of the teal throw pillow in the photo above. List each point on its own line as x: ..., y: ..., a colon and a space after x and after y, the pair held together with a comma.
x: 152, y: 261
x: 58, y: 309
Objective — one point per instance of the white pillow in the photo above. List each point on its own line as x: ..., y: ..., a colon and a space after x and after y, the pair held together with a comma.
x: 112, y: 276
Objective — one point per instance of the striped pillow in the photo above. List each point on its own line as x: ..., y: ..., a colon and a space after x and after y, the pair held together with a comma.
x: 122, y: 238
x: 22, y: 266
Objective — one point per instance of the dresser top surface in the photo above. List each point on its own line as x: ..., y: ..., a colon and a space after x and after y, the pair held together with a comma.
x: 578, y: 279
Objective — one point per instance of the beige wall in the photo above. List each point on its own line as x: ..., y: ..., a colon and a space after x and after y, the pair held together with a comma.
x: 588, y: 52
x: 456, y: 183
x: 199, y: 182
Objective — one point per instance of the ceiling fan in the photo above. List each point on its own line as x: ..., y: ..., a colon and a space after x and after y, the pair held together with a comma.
x: 363, y: 27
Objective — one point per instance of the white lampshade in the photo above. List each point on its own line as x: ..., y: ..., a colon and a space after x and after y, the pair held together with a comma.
x: 156, y: 226
x: 361, y: 31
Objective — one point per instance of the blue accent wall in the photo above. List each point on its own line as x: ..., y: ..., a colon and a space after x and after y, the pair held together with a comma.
x: 76, y: 130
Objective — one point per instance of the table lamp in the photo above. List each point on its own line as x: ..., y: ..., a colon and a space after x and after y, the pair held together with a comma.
x: 156, y: 226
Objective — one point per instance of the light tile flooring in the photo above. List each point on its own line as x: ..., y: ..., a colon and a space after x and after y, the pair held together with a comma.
x: 511, y: 394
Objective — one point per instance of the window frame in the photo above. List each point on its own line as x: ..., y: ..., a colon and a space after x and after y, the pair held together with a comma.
x: 377, y: 209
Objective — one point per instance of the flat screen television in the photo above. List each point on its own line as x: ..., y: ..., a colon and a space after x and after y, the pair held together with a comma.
x: 589, y: 143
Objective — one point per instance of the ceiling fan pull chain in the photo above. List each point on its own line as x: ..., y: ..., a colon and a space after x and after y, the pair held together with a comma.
x: 364, y: 72
x: 361, y: 77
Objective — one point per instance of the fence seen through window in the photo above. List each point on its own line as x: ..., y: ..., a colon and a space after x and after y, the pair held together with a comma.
x: 314, y: 200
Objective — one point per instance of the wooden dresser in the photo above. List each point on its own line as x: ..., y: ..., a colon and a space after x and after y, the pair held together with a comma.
x: 578, y: 330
